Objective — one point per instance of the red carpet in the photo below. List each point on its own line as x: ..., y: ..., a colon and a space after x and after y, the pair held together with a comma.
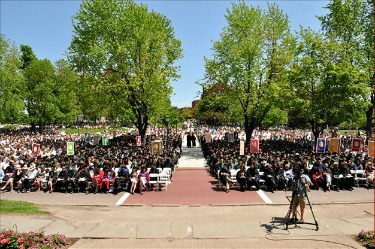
x: 193, y: 187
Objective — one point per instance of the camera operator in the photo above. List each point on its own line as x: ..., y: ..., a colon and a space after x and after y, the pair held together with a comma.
x: 301, y: 184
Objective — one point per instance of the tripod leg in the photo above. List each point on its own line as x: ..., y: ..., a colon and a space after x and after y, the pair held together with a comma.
x: 316, y: 222
x: 290, y: 213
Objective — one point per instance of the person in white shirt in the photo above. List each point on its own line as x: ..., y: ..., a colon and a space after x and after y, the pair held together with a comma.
x: 30, y: 177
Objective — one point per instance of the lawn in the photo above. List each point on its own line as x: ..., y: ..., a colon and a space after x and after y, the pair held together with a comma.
x: 20, y: 207
x: 348, y: 132
x: 92, y: 131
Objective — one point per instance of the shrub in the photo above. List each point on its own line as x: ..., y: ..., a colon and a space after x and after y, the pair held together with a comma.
x: 33, y: 240
x: 366, y: 238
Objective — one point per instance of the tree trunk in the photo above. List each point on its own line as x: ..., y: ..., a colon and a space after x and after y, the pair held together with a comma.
x: 33, y: 126
x: 316, y: 131
x: 249, y: 128
x: 41, y: 127
x: 369, y: 117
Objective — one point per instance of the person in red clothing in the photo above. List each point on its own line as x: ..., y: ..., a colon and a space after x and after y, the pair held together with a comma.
x: 97, y: 179
x: 316, y: 176
x: 144, y: 178
x: 108, y: 179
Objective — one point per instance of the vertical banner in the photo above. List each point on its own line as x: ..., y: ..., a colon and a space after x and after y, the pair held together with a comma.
x: 36, y: 149
x: 208, y: 138
x: 231, y: 137
x: 356, y: 144
x: 139, y: 141
x: 226, y: 136
x: 156, y: 147
x: 321, y: 144
x: 371, y: 149
x: 96, y: 139
x: 87, y: 137
x: 104, y: 141
x: 254, y: 146
x: 242, y: 148
x: 334, y: 145
x: 70, y: 148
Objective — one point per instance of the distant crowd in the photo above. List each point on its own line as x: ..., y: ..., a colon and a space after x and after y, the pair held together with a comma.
x: 120, y: 165
x: 127, y: 164
x: 283, y: 154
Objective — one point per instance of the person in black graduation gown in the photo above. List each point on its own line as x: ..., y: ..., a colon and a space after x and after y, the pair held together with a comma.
x: 188, y: 138
x: 193, y: 139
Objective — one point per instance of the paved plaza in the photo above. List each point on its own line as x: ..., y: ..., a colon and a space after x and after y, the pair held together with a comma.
x: 193, y: 213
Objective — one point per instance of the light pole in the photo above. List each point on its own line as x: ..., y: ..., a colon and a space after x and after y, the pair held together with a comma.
x: 214, y: 121
x: 176, y: 124
x: 167, y: 122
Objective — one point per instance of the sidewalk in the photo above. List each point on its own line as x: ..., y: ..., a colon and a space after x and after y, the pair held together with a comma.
x: 98, y: 223
x: 259, y: 226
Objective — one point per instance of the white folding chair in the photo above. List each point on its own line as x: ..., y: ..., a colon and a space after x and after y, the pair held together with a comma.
x: 232, y: 177
x: 164, y: 179
x: 219, y: 183
x: 360, y: 178
x: 154, y: 179
x: 261, y: 180
x: 168, y: 171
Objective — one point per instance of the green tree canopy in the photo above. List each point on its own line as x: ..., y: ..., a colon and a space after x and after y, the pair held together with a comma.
x: 130, y: 52
x: 12, y: 83
x: 251, y: 59
x: 349, y: 29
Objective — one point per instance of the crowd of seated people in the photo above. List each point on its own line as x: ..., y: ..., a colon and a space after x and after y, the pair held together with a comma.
x: 275, y: 166
x: 119, y: 166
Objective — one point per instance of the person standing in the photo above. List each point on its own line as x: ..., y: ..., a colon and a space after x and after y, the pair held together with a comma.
x: 300, y: 186
x: 224, y: 177
x: 188, y: 140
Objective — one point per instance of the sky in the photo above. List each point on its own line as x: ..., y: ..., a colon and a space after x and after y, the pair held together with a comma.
x: 46, y: 26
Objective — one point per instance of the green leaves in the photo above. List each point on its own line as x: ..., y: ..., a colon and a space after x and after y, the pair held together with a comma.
x: 251, y: 60
x: 12, y: 83
x: 132, y: 60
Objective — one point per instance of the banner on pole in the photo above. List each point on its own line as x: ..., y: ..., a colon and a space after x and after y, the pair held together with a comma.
x: 371, y: 149
x: 321, y: 144
x: 334, y: 145
x: 87, y: 137
x: 156, y: 147
x: 207, y: 137
x: 242, y: 148
x: 139, y: 141
x: 254, y: 146
x: 104, y: 141
x: 36, y: 149
x: 231, y: 137
x: 70, y: 148
x: 356, y: 144
x: 96, y: 139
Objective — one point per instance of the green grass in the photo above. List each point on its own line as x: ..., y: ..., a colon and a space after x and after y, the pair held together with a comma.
x: 348, y: 132
x: 20, y: 207
x: 92, y: 131
x: 342, y: 132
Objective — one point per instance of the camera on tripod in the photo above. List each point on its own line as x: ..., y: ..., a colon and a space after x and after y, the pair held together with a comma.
x: 300, y: 186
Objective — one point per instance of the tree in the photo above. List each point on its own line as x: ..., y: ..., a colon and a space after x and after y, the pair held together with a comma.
x: 251, y: 59
x: 40, y: 97
x: 12, y: 83
x: 66, y: 92
x: 213, y: 109
x: 350, y: 25
x: 307, y: 77
x: 130, y: 52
